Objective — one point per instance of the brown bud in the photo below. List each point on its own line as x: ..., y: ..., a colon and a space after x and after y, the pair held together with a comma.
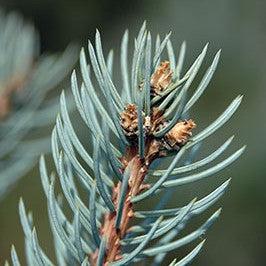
x: 129, y: 119
x: 157, y: 120
x: 162, y: 77
x: 154, y: 148
x: 180, y: 133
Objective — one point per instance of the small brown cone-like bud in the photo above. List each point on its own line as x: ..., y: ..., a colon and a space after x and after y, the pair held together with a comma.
x: 162, y: 77
x: 180, y: 133
x: 129, y: 119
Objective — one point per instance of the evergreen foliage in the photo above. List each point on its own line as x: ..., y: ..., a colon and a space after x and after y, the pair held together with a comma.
x: 26, y: 77
x: 131, y: 130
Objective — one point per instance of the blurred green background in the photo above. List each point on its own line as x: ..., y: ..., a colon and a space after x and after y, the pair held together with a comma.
x: 236, y: 26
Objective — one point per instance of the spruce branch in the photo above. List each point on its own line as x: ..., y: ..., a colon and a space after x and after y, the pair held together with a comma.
x: 26, y: 78
x: 149, y: 121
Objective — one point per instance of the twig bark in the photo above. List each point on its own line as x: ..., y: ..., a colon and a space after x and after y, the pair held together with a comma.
x: 136, y: 184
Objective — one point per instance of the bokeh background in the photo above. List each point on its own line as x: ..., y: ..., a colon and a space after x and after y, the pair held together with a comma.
x: 236, y: 26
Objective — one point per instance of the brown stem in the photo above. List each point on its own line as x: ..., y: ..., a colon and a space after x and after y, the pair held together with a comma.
x: 135, y: 185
